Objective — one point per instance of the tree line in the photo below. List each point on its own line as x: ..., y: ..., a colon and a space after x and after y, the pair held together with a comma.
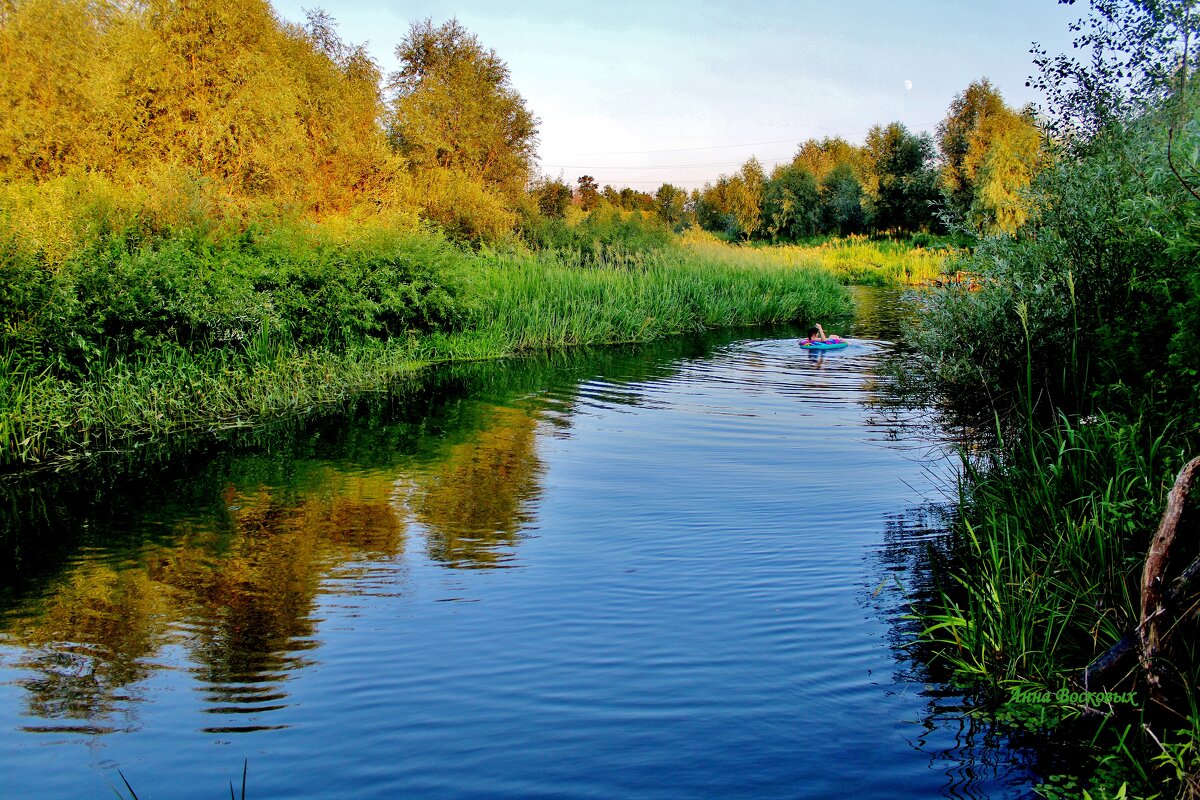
x: 206, y: 109
x: 974, y: 173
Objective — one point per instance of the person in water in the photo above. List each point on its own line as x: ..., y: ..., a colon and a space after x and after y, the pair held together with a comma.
x: 817, y: 334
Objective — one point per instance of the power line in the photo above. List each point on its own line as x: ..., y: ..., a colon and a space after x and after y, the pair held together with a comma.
x: 661, y: 166
x: 677, y: 149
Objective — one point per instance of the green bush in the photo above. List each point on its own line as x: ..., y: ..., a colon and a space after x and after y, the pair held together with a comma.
x: 203, y: 292
x: 607, y: 236
x: 1101, y: 290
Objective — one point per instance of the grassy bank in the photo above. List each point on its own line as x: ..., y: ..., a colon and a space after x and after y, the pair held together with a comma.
x: 853, y: 259
x: 1043, y: 575
x: 1081, y: 346
x: 187, y: 335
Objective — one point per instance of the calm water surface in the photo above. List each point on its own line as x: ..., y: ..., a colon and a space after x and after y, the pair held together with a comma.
x: 678, y: 571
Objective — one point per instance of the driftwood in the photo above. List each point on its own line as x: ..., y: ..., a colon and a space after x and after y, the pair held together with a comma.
x: 1150, y: 639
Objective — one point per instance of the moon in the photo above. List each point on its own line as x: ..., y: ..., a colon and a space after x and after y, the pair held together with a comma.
x: 908, y: 86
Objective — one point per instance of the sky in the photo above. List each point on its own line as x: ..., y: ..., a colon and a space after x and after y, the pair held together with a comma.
x: 640, y: 92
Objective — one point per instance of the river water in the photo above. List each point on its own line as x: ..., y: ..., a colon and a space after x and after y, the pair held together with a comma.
x: 672, y: 571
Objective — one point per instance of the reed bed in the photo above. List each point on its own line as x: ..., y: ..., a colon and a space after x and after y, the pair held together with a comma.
x: 508, y: 303
x: 1043, y: 575
x: 853, y: 259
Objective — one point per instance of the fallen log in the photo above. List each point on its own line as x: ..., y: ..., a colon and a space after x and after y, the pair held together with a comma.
x: 1150, y: 638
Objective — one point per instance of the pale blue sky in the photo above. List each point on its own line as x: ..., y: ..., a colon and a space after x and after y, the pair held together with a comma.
x: 635, y: 93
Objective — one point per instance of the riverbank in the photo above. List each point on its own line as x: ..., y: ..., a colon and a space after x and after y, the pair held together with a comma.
x: 1079, y: 353
x: 127, y: 344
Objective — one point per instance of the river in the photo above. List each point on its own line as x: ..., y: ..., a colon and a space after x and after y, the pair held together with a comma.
x: 672, y: 571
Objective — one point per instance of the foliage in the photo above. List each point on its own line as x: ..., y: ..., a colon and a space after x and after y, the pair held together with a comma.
x: 906, y: 191
x: 1102, y: 283
x: 588, y: 192
x: 1132, y: 56
x: 221, y: 92
x: 990, y: 155
x: 842, y: 209
x: 671, y: 205
x: 551, y: 196
x: 604, y: 236
x: 297, y: 286
x: 454, y: 108
x: 791, y: 204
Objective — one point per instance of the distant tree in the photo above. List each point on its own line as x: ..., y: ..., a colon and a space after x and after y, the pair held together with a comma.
x: 588, y: 192
x: 552, y: 197
x: 842, y: 209
x: 823, y: 156
x: 713, y: 209
x: 958, y: 133
x: 1004, y: 172
x: 454, y: 108
x: 745, y: 196
x: 670, y: 203
x: 791, y: 206
x: 907, y: 189
x: 611, y: 196
x: 990, y: 154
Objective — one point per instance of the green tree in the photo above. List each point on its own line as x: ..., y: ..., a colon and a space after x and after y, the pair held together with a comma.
x: 551, y: 196
x: 670, y: 203
x: 907, y: 192
x: 820, y: 157
x: 454, y: 108
x: 745, y: 197
x: 957, y: 134
x: 990, y: 154
x: 791, y: 206
x: 589, y: 192
x: 842, y: 209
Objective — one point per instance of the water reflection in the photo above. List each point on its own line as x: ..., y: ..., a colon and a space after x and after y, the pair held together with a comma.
x: 226, y: 559
x: 701, y: 509
x: 475, y: 502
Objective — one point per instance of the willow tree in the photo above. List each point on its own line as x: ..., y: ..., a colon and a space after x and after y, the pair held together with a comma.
x: 48, y: 53
x: 454, y: 109
x: 745, y: 197
x: 791, y: 206
x: 990, y: 155
x: 820, y: 157
x: 222, y: 92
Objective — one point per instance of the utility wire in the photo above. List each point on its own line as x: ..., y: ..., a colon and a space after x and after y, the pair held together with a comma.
x: 678, y: 149
x: 663, y: 166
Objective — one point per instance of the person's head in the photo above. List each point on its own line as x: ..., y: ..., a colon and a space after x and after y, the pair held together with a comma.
x: 813, y: 331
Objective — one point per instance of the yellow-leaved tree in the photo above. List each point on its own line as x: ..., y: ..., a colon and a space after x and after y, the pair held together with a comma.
x: 991, y: 154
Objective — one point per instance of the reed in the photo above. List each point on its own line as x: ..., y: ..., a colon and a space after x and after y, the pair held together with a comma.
x: 1043, y: 575
x: 853, y: 259
x: 505, y: 303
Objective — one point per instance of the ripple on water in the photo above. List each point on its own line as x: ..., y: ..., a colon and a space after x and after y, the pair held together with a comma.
x: 649, y: 580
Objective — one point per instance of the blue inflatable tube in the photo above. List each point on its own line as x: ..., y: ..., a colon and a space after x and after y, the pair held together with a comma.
x: 824, y: 345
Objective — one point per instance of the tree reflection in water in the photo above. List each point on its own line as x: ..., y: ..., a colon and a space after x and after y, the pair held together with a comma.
x: 226, y: 559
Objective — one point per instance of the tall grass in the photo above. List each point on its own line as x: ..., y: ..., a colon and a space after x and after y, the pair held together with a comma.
x: 152, y: 381
x: 1052, y: 539
x: 853, y: 259
x: 530, y: 302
